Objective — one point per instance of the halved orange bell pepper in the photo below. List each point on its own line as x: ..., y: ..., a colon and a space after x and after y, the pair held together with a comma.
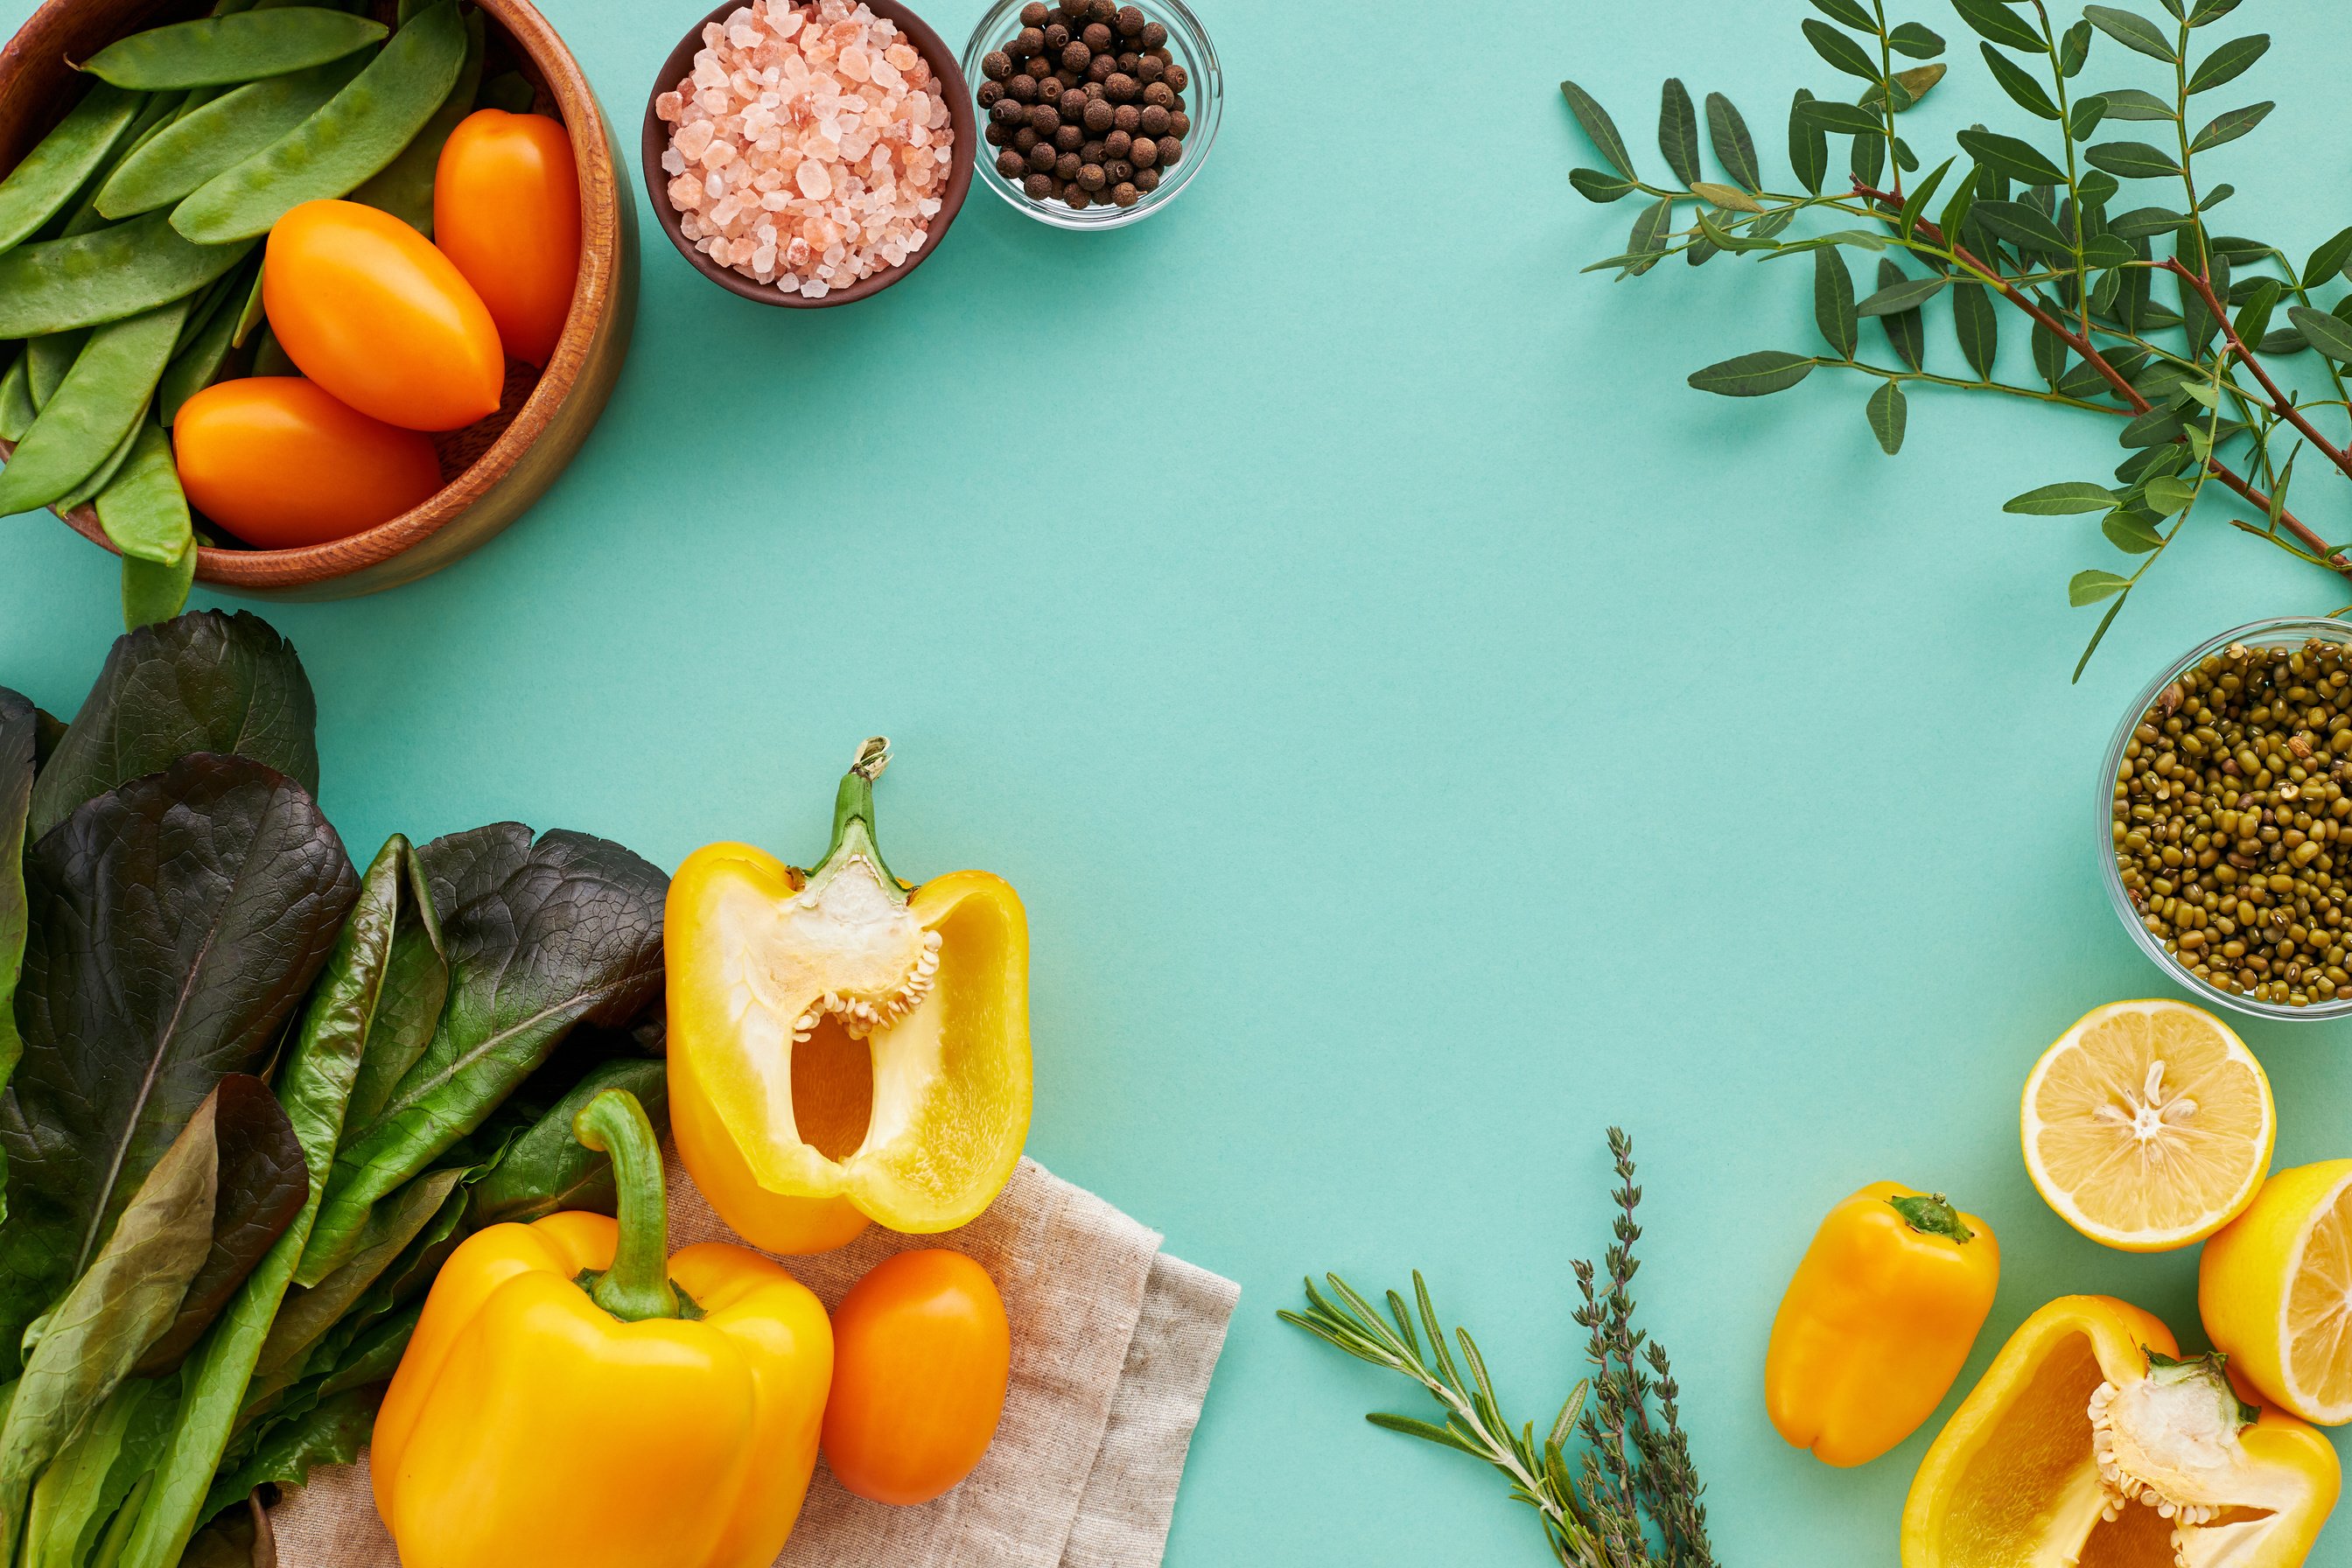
x: 2088, y: 1441
x: 1878, y: 1322
x: 566, y: 1398
x: 844, y: 1046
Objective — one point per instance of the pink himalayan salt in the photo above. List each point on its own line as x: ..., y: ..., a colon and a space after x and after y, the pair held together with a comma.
x: 808, y: 149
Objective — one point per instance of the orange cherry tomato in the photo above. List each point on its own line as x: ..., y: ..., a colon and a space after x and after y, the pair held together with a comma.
x: 920, y: 1355
x: 364, y: 306
x: 281, y: 464
x: 505, y: 209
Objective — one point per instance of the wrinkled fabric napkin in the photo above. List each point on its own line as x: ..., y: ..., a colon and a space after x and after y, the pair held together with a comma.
x: 1113, y: 1343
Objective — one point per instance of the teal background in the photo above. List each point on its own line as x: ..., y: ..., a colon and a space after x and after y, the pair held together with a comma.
x: 1424, y: 731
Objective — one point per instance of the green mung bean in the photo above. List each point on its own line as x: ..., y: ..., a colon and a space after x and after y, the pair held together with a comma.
x: 145, y: 511
x: 100, y: 400
x: 104, y: 275
x: 404, y: 188
x: 348, y: 140
x: 243, y: 47
x: 219, y: 135
x: 45, y: 180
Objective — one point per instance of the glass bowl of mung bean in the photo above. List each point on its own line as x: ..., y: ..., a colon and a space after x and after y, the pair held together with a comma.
x: 2225, y: 820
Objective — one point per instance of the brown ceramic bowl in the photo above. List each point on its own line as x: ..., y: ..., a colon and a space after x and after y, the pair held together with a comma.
x: 935, y: 53
x: 493, y: 471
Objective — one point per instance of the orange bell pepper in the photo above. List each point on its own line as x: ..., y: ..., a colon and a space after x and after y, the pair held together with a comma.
x: 567, y: 1398
x: 1878, y: 1322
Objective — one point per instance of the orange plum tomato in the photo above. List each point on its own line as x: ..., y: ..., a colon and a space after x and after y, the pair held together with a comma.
x: 921, y: 1355
x: 281, y: 464
x: 368, y: 309
x: 505, y: 209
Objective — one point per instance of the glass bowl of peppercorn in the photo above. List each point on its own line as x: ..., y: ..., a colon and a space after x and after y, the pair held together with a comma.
x: 1095, y: 112
x: 2225, y: 820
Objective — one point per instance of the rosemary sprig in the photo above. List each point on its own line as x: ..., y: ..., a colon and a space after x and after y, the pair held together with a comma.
x: 1634, y: 1502
x: 2203, y: 392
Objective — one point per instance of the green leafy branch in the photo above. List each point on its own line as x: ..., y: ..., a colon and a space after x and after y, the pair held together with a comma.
x: 2197, y: 383
x: 1632, y: 1498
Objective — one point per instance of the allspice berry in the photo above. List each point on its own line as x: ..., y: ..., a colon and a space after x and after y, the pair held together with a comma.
x: 1119, y: 171
x: 1045, y: 118
x: 1011, y: 165
x: 1042, y: 156
x: 1091, y: 175
x: 1069, y: 139
x: 1097, y: 37
x: 1023, y: 139
x: 1032, y: 41
x: 1130, y: 21
x: 1147, y: 179
x: 1117, y: 144
x: 1159, y: 94
x: 1066, y: 167
x: 1034, y: 14
x: 1170, y: 149
x: 1149, y: 68
x: 1078, y: 198
x: 996, y: 135
x: 1102, y: 69
x: 1038, y: 186
x: 1057, y: 39
x: 996, y: 64
x: 1180, y: 124
x: 1101, y: 10
x: 1177, y: 78
x: 1101, y: 116
x: 990, y: 91
x: 1076, y: 55
x: 1119, y: 87
x: 1024, y: 88
x: 1124, y: 193
x: 1152, y: 121
x: 1128, y: 117
x: 1095, y: 153
x: 1073, y: 105
x: 1144, y: 152
x: 1009, y: 111
x: 1154, y: 35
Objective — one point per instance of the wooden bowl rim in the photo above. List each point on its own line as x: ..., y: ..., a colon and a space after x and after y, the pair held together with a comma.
x: 944, y: 66
x: 584, y: 125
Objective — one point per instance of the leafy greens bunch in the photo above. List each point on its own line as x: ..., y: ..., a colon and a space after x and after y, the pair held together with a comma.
x: 2094, y: 232
x: 1632, y: 1500
x: 255, y: 1097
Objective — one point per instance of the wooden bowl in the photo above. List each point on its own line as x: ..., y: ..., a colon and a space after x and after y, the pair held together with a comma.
x: 494, y: 470
x: 963, y: 117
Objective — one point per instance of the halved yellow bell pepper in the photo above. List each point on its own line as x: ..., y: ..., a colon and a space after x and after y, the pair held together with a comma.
x: 2088, y: 1442
x: 1877, y: 1322
x: 644, y: 1416
x: 844, y: 1046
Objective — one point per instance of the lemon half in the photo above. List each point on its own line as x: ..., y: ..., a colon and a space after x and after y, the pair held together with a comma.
x: 2275, y: 1288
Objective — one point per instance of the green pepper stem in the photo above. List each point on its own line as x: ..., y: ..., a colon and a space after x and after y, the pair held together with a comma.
x: 1933, y: 1215
x: 637, y: 1285
x: 853, y: 815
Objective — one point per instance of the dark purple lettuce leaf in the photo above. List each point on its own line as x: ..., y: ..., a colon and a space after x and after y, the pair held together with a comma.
x: 202, y: 682
x: 177, y: 921
x: 19, y: 734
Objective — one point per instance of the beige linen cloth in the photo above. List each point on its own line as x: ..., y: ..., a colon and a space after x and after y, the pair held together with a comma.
x: 1113, y: 1343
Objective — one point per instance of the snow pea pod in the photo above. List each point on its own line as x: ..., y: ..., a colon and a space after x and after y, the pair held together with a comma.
x: 358, y: 132
x: 152, y: 594
x: 143, y: 509
x: 219, y: 135
x: 197, y: 365
x: 103, y: 397
x: 251, y: 316
x: 16, y: 410
x: 55, y: 169
x: 88, y: 489
x: 46, y: 360
x: 241, y: 47
x: 104, y: 275
x: 404, y: 189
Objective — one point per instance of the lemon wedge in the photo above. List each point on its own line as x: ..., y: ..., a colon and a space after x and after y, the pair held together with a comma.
x: 2274, y: 1287
x: 2148, y: 1125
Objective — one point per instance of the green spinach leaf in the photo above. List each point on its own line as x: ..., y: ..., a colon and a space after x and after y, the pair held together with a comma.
x: 331, y: 1433
x: 415, y: 985
x: 547, y: 1169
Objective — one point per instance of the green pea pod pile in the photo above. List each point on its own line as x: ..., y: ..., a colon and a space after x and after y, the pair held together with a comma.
x: 129, y: 269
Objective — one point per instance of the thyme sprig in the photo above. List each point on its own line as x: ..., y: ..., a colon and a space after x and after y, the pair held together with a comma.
x: 1632, y: 1501
x: 2215, y: 389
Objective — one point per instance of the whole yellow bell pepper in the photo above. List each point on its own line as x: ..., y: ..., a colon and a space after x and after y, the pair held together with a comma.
x: 844, y: 1046
x: 2089, y: 1441
x: 642, y: 1417
x: 1878, y: 1322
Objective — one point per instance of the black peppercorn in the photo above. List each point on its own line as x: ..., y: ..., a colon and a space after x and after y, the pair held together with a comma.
x: 1170, y: 149
x: 1144, y: 154
x: 1042, y: 157
x: 1038, y: 186
x: 1009, y: 111
x: 1128, y: 117
x: 1097, y: 37
x: 1045, y: 118
x: 1034, y: 14
x: 1023, y: 139
x: 1154, y: 35
x: 1024, y: 88
x: 1177, y: 78
x: 1101, y: 11
x: 1120, y: 87
x: 996, y: 136
x: 1069, y: 137
x: 1091, y: 175
x: 1078, y: 198
x: 1102, y: 69
x: 1117, y: 142
x: 1066, y: 167
x: 1057, y: 39
x: 1152, y: 121
x: 1099, y: 115
x: 1147, y: 179
x: 1076, y: 55
x: 990, y: 91
x: 1011, y: 165
x: 1119, y: 171
x: 1032, y: 41
x: 996, y: 64
x: 1130, y: 21
x: 1161, y: 93
x: 1180, y: 124
x: 1124, y: 193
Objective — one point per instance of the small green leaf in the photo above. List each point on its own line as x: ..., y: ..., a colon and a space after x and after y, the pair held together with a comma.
x: 2131, y: 532
x: 2132, y: 31
x: 2074, y: 49
x: 1914, y: 205
x: 2049, y: 355
x: 2023, y: 89
x: 2098, y: 636
x: 2023, y: 227
x: 2158, y: 426
x: 1828, y: 114
x: 2283, y: 342
x: 2145, y: 223
x: 1911, y: 85
x: 2210, y: 11
x: 2328, y: 260
x: 1727, y: 196
x: 2229, y: 61
x: 2064, y: 499
x: 1809, y: 146
x: 1906, y: 332
x: 1907, y: 295
x: 1976, y: 324
x: 2090, y: 587
x: 2254, y: 317
x: 1754, y: 374
x: 2084, y: 118
x: 1869, y: 157
x: 2106, y: 251
x: 1847, y: 12
x: 1917, y: 41
x: 2132, y: 103
x: 1833, y: 309
x: 2007, y: 155
x: 1428, y: 1432
x: 1839, y: 50
x: 2133, y: 160
x: 1999, y: 23
x: 2229, y: 127
x: 1598, y: 128
x: 1734, y: 149
x: 1596, y: 187
x: 2327, y: 334
x: 1887, y: 414
x: 1678, y: 130
x: 2167, y: 495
